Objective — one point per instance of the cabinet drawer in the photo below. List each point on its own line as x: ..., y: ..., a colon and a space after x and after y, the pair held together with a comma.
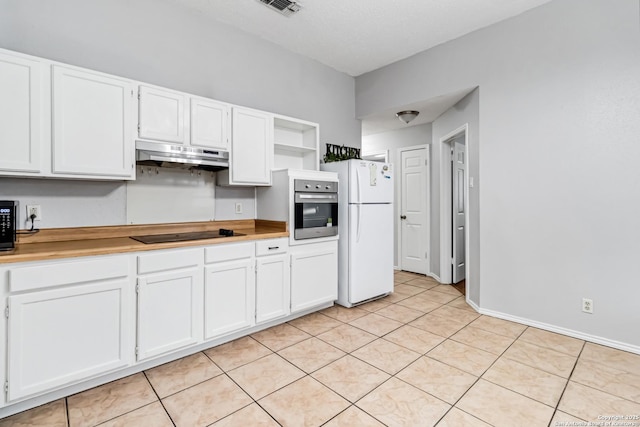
x: 67, y: 273
x: 228, y: 252
x: 274, y: 246
x: 163, y: 261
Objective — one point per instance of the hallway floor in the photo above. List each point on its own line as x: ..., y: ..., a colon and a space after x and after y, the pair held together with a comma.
x: 420, y: 357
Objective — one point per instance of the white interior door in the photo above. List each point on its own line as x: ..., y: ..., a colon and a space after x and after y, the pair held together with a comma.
x: 458, y: 210
x: 413, y: 210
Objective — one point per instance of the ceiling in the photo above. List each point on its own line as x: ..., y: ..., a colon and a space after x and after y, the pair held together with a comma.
x: 358, y: 36
x: 430, y: 109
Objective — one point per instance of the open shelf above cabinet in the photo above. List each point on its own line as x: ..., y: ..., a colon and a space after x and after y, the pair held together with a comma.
x: 293, y: 148
x: 295, y: 144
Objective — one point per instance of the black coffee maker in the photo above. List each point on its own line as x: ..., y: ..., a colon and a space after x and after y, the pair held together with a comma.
x: 8, y: 224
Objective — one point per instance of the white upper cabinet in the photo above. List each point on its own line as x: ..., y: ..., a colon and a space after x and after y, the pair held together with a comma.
x: 209, y: 124
x: 20, y: 105
x: 161, y: 115
x: 92, y: 124
x: 62, y: 121
x: 165, y: 115
x: 251, y: 154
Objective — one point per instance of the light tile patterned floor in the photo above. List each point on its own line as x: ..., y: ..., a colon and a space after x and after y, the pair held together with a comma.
x: 421, y: 356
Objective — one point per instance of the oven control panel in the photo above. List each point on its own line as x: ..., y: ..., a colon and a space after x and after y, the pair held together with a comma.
x: 303, y: 185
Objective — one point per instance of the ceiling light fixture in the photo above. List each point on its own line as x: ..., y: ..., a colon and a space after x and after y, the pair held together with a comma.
x: 407, y: 115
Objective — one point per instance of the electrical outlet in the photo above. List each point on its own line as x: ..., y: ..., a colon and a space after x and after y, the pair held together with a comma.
x: 587, y: 305
x: 35, y: 210
x: 238, y: 208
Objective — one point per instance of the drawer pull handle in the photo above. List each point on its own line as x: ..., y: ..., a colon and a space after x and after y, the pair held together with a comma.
x: 273, y: 247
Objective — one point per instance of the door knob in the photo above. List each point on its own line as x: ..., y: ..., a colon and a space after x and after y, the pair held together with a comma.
x: 403, y: 217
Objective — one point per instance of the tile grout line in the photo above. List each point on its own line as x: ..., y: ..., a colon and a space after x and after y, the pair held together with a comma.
x: 477, y: 378
x: 159, y: 399
x: 66, y: 409
x: 567, y: 383
x: 377, y: 368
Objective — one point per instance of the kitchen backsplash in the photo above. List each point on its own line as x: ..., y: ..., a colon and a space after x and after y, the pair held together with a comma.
x: 169, y: 196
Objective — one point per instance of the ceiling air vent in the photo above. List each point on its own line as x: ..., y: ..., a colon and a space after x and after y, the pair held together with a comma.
x: 285, y: 7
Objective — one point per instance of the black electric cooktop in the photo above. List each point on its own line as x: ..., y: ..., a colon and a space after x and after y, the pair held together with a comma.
x: 184, y: 237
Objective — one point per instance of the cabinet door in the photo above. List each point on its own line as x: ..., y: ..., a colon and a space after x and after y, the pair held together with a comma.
x: 228, y: 297
x: 92, y: 132
x: 64, y: 335
x: 19, y: 114
x: 314, y: 275
x: 169, y: 311
x: 272, y: 287
x: 251, y: 147
x: 161, y: 115
x: 209, y: 124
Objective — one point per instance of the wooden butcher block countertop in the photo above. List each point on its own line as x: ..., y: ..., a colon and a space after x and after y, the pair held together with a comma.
x: 57, y: 243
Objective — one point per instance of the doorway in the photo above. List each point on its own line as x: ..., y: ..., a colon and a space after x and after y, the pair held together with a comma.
x: 413, y: 213
x: 454, y: 202
x: 376, y: 156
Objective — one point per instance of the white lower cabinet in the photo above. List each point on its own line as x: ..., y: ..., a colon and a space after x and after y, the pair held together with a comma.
x: 229, y: 289
x: 169, y: 302
x: 67, y: 322
x: 314, y: 274
x: 73, y: 320
x: 272, y: 280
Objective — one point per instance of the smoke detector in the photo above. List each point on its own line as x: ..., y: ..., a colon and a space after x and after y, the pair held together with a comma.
x: 285, y: 7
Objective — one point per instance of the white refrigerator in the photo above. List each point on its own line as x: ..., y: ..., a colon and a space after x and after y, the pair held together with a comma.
x: 365, y: 227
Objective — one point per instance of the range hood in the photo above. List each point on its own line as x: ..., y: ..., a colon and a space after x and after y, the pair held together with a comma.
x: 177, y: 156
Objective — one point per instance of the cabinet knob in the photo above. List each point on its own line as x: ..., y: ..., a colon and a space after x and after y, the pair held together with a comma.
x: 403, y: 217
x: 307, y: 186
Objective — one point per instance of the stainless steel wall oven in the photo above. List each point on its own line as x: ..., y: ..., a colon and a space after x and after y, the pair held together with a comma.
x: 315, y: 209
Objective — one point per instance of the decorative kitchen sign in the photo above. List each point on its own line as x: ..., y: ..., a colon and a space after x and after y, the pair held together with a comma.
x: 335, y: 153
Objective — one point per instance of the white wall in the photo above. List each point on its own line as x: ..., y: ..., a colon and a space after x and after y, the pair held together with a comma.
x: 558, y: 149
x: 163, y: 43
x: 67, y: 203
x: 392, y: 140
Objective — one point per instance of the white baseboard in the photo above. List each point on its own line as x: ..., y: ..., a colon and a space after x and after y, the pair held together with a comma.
x: 395, y: 267
x: 435, y: 276
x: 474, y: 305
x: 552, y: 328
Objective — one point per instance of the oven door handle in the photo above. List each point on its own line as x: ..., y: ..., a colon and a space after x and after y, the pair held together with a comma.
x: 318, y: 198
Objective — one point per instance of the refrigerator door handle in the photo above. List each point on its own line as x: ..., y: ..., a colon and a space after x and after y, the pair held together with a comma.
x: 358, y: 185
x: 358, y: 226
